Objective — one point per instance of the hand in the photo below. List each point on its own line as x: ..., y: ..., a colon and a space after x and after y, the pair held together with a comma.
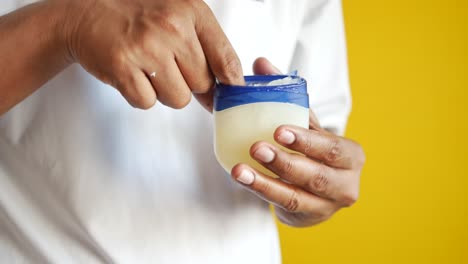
x: 150, y: 49
x: 311, y: 187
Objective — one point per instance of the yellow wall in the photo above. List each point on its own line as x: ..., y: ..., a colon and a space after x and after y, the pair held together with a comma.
x: 409, y: 76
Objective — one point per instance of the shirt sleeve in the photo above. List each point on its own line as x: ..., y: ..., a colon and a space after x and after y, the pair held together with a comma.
x: 321, y: 58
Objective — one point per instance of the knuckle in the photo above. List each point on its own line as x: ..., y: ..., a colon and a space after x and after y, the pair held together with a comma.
x: 264, y: 188
x: 202, y: 85
x: 349, y: 198
x: 181, y: 101
x: 107, y: 78
x: 118, y: 60
x: 144, y: 39
x: 292, y: 203
x: 307, y: 144
x: 171, y: 22
x: 286, y: 167
x: 334, y: 152
x: 140, y: 99
x: 127, y: 94
x: 230, y: 68
x: 321, y: 215
x: 200, y: 8
x: 325, y: 214
x: 319, y: 181
x: 146, y: 43
x: 137, y: 96
x: 145, y: 102
x: 361, y: 156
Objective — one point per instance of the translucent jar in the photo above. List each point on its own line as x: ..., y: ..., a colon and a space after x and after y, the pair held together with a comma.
x: 244, y: 115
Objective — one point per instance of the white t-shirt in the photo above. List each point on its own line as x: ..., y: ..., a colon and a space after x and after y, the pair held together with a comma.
x: 85, y: 178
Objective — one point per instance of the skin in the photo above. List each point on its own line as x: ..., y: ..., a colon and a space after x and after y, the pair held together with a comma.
x: 122, y: 43
x: 313, y: 186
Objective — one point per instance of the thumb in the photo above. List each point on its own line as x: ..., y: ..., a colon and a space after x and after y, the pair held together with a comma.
x: 262, y: 66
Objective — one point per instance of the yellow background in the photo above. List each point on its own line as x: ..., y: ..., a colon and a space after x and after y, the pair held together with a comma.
x: 409, y: 76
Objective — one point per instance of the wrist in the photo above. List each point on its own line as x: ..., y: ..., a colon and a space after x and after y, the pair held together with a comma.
x: 67, y: 15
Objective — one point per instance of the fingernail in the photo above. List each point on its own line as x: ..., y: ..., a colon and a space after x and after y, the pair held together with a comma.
x: 264, y: 154
x: 286, y: 137
x: 246, y: 177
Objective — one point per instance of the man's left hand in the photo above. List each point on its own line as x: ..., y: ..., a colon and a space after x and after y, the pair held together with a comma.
x: 313, y: 186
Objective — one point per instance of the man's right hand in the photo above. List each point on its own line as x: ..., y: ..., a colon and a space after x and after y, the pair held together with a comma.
x: 152, y: 49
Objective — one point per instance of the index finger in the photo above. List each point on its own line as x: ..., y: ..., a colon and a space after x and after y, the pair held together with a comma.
x: 287, y: 196
x: 325, y: 147
x: 220, y: 55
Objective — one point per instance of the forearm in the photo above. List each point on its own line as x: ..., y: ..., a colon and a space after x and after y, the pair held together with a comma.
x: 32, y: 50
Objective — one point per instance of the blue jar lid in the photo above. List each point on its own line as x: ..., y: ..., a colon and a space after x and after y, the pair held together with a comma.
x: 257, y: 90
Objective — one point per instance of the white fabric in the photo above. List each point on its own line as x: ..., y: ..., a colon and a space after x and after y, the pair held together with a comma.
x: 84, y: 178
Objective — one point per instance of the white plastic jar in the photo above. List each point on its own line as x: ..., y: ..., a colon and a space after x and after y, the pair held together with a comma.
x: 244, y: 115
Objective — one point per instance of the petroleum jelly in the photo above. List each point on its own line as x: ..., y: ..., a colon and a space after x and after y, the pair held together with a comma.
x: 245, y: 115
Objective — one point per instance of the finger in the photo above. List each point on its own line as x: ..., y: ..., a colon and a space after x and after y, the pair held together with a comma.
x: 221, y: 57
x: 317, y: 144
x: 299, y: 170
x: 301, y: 219
x: 136, y: 88
x: 313, y: 121
x: 206, y: 100
x: 196, y: 72
x: 263, y: 66
x: 194, y: 67
x: 289, y: 197
x: 168, y: 82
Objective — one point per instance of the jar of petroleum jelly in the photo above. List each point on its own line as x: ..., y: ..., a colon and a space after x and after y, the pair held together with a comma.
x: 244, y: 115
